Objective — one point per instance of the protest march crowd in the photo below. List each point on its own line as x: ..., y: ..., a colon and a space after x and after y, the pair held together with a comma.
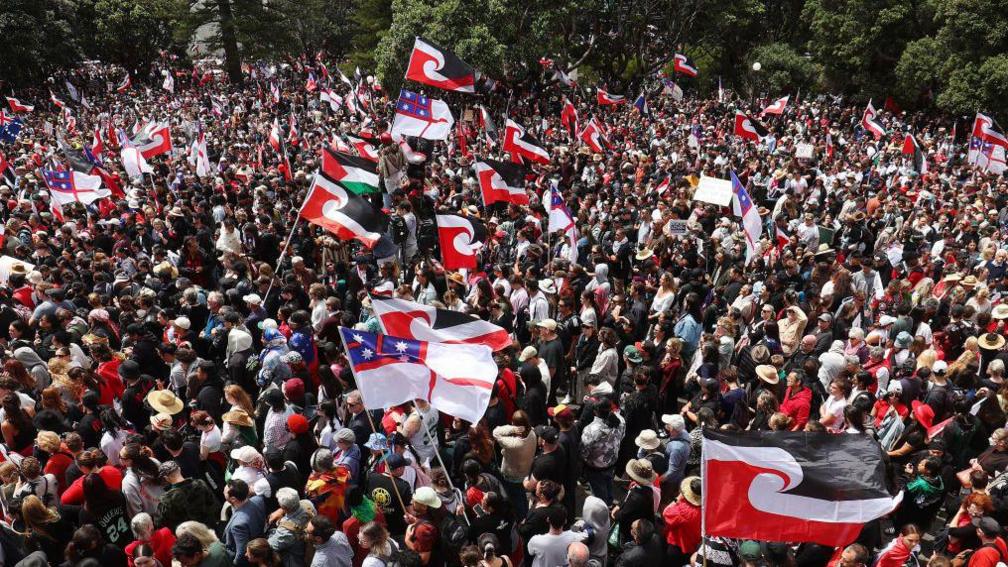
x: 303, y: 322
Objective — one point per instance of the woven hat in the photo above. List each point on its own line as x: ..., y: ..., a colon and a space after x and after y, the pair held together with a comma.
x: 161, y: 421
x: 768, y: 374
x: 238, y: 416
x: 165, y: 401
x: 991, y: 341
x: 641, y: 471
x: 648, y: 440
x: 686, y: 488
x: 1000, y: 311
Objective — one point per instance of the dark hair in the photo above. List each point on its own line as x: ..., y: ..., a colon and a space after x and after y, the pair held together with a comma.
x: 556, y: 517
x: 645, y: 530
x: 324, y: 527
x: 186, y: 546
x: 85, y: 539
x: 239, y: 489
x: 172, y: 440
x: 98, y: 497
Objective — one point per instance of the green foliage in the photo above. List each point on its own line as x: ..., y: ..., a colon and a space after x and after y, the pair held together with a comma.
x: 783, y: 69
x: 36, y: 38
x: 132, y: 33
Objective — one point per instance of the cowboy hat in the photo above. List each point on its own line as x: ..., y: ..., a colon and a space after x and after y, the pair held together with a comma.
x: 644, y: 254
x: 991, y: 341
x: 164, y: 401
x: 238, y: 417
x: 641, y: 471
x: 969, y: 281
x: 952, y: 278
x: 1000, y: 311
x: 648, y: 440
x: 858, y: 216
x: 823, y: 250
x: 456, y: 278
x: 686, y: 488
x: 548, y: 286
x: 768, y: 374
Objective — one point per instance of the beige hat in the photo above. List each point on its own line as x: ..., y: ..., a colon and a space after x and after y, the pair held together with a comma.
x: 426, y: 496
x: 165, y: 401
x: 686, y: 489
x: 182, y: 323
x: 161, y: 422
x: 527, y: 353
x: 239, y: 417
x: 547, y: 324
x: 641, y: 471
x: 1000, y: 311
x: 768, y: 374
x: 648, y: 440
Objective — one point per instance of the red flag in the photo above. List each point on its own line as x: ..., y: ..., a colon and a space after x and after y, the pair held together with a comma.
x: 569, y: 117
x: 461, y: 137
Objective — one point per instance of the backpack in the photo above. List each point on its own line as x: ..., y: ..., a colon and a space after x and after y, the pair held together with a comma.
x: 426, y: 232
x: 13, y: 545
x: 453, y: 534
x: 398, y: 229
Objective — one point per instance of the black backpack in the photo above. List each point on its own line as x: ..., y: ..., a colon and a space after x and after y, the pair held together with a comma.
x: 454, y: 534
x: 398, y: 229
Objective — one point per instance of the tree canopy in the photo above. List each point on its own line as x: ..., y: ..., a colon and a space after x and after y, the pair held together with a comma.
x: 947, y: 55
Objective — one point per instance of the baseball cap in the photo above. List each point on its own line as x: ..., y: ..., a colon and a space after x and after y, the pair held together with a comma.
x: 395, y: 461
x: 987, y: 525
x: 548, y: 433
x: 560, y: 410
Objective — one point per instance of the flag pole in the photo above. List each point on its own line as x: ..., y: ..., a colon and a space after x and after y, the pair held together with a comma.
x: 367, y: 412
x: 437, y: 453
x: 286, y: 246
x: 703, y: 502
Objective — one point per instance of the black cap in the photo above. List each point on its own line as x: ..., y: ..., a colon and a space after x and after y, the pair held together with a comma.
x: 987, y: 525
x: 548, y: 433
x: 395, y: 461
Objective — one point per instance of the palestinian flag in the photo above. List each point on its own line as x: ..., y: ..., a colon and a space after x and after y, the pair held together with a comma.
x: 356, y: 174
x: 912, y: 148
x: 345, y: 214
x: 364, y: 148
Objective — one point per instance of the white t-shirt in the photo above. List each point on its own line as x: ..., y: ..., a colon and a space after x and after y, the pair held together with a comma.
x: 835, y: 407
x: 550, y: 550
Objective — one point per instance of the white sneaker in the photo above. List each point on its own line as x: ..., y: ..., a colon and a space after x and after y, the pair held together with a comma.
x: 566, y: 400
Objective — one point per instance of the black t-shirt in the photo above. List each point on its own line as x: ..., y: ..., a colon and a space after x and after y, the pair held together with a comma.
x: 553, y: 353
x: 551, y: 466
x: 382, y: 493
x: 188, y: 460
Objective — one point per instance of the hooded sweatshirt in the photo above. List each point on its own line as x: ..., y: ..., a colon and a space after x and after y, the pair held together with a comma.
x: 34, y: 365
x: 596, y: 516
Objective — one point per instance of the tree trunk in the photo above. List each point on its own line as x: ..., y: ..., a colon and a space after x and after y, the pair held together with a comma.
x: 229, y: 41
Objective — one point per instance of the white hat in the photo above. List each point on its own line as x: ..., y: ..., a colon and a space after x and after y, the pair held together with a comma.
x: 253, y: 298
x: 547, y: 324
x: 182, y: 323
x: 426, y: 496
x: 547, y: 286
x: 527, y: 353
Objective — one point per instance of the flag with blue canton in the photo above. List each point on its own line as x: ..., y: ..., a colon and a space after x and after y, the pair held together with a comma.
x: 10, y: 129
x: 641, y: 105
x: 743, y: 207
x: 367, y: 350
x: 414, y: 104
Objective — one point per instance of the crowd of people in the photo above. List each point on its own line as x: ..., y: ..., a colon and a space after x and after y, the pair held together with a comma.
x: 174, y: 387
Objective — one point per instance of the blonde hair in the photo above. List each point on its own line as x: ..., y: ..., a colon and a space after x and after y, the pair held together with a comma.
x: 241, y: 397
x: 198, y: 530
x: 927, y: 358
x: 35, y: 513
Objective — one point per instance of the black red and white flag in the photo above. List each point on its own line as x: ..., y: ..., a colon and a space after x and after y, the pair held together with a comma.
x: 343, y: 213
x: 869, y: 121
x: 485, y: 121
x: 275, y: 137
x: 569, y: 117
x: 519, y: 143
x: 829, y: 146
x: 438, y: 67
x: 912, y: 148
x: 501, y: 181
x: 153, y: 139
x: 124, y: 85
x: 7, y: 175
x: 605, y: 98
x: 18, y: 106
x: 594, y: 136
x: 407, y: 319
x: 59, y: 103
x: 778, y: 106
x: 682, y: 65
x: 748, y: 128
x: 795, y: 487
x: 460, y: 238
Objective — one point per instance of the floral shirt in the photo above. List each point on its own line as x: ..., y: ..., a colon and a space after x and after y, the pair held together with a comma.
x: 600, y: 442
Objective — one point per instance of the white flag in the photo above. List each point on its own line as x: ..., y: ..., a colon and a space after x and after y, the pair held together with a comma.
x: 169, y: 83
x: 134, y: 163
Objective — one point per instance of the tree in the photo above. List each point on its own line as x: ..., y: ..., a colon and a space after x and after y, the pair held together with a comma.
x: 784, y: 70
x: 36, y: 39
x: 133, y: 33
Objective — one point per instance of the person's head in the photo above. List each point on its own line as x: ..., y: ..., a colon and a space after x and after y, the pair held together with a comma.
x: 577, y: 554
x: 854, y: 555
x: 188, y: 550
x: 35, y: 514
x: 556, y: 518
x: 421, y: 537
x: 142, y: 526
x: 259, y: 552
x: 642, y: 530
x: 320, y: 530
x: 372, y: 535
x: 236, y: 492
x: 199, y: 530
x: 288, y: 499
x: 911, y: 536
x: 987, y: 528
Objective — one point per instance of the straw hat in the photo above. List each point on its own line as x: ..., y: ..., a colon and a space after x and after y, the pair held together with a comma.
x: 952, y: 278
x: 238, y: 417
x: 456, y: 278
x: 641, y: 471
x: 161, y: 422
x: 1000, y: 311
x: 644, y: 254
x: 164, y: 401
x: 991, y: 341
x: 686, y: 488
x: 969, y: 281
x: 648, y: 440
x: 768, y: 374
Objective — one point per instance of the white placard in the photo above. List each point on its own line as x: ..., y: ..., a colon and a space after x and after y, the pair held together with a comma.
x: 713, y: 190
x: 803, y: 151
x: 677, y: 227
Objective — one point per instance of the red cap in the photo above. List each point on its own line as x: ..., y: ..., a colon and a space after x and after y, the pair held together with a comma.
x: 297, y: 424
